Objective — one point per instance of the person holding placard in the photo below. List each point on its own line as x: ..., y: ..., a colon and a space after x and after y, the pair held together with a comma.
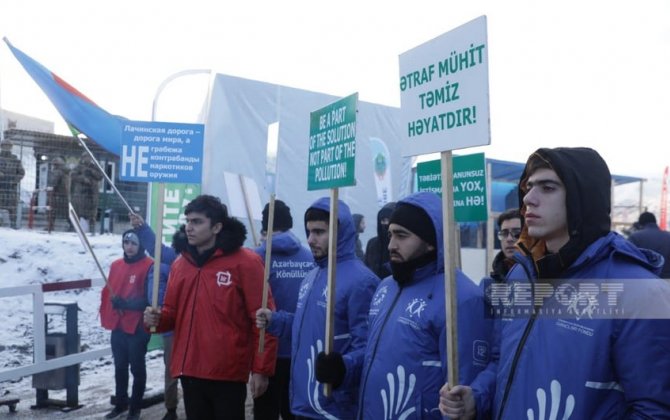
x: 289, y: 264
x: 354, y: 287
x: 593, y: 341
x: 212, y: 295
x: 405, y: 358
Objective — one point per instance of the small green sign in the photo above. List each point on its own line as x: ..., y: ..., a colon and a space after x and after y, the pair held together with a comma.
x: 176, y: 197
x: 469, y: 185
x: 332, y: 145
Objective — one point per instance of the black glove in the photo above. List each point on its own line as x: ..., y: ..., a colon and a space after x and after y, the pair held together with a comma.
x: 330, y: 368
x: 118, y: 302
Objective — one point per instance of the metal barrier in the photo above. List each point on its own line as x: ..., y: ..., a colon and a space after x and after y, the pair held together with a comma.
x: 40, y: 362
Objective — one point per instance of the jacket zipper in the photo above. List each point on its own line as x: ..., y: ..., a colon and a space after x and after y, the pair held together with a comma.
x: 374, y: 353
x: 302, y: 321
x: 519, y: 349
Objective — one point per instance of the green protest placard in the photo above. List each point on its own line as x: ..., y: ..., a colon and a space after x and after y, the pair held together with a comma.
x: 332, y: 145
x: 469, y: 185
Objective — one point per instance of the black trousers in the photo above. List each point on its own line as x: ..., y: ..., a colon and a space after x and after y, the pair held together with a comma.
x: 275, y: 400
x: 129, y: 350
x: 206, y: 399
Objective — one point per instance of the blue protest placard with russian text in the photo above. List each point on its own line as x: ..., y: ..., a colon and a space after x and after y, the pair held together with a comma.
x: 161, y: 152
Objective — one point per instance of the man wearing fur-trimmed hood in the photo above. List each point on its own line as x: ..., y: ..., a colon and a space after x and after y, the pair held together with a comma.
x: 575, y: 349
x: 211, y: 299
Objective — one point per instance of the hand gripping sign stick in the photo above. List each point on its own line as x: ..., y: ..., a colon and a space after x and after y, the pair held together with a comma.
x: 338, y: 117
x: 271, y: 183
x: 82, y: 237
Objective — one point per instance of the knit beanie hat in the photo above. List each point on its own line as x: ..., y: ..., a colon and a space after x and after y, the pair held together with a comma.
x: 282, y: 221
x: 132, y: 237
x: 416, y: 220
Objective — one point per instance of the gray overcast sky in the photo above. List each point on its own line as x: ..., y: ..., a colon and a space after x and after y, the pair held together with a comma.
x: 562, y: 73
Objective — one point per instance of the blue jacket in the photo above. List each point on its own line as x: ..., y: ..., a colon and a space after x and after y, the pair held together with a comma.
x: 290, y: 262
x: 168, y: 255
x: 406, y: 357
x: 353, y: 290
x: 650, y: 236
x: 590, y: 367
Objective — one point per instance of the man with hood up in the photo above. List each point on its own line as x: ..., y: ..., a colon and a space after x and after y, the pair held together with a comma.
x: 593, y: 341
x: 212, y: 294
x: 122, y: 302
x: 354, y: 287
x: 405, y: 357
x: 289, y: 264
x: 376, y: 250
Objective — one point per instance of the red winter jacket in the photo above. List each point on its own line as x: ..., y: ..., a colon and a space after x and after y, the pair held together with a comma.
x: 212, y: 310
x: 125, y: 281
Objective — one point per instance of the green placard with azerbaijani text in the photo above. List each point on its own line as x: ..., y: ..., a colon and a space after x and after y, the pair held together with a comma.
x: 469, y: 185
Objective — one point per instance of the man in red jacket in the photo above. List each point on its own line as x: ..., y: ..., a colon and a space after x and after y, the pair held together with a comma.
x: 211, y: 301
x: 123, y: 300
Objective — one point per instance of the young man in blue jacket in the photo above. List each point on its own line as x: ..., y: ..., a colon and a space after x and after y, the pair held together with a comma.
x: 589, y: 331
x: 405, y: 357
x: 354, y: 287
x: 289, y: 264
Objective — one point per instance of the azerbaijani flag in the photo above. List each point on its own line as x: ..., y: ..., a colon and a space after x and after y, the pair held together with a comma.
x: 78, y: 111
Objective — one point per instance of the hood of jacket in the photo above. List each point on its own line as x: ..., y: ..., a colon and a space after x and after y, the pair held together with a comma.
x: 587, y: 182
x: 346, y: 231
x: 284, y: 243
x: 614, y: 244
x: 431, y: 203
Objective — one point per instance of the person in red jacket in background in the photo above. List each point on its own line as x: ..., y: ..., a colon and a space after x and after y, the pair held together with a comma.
x: 210, y: 303
x: 123, y: 300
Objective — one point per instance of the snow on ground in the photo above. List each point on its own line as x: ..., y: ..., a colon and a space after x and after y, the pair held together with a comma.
x: 32, y: 257
x: 36, y: 257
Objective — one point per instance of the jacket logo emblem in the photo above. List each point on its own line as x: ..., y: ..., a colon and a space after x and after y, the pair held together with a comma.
x: 416, y: 307
x: 303, y: 290
x: 480, y: 351
x: 223, y: 278
x: 378, y: 298
x: 394, y: 398
x: 554, y: 404
x: 132, y: 279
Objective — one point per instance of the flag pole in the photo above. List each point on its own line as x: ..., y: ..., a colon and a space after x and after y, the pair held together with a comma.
x: 72, y: 214
x: 83, y: 143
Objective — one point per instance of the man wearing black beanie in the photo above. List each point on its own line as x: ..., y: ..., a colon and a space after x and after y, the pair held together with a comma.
x: 406, y: 348
x: 290, y: 262
x: 283, y: 220
x: 407, y: 315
